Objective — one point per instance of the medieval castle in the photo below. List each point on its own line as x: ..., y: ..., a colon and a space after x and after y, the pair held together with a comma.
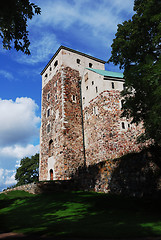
x: 81, y: 108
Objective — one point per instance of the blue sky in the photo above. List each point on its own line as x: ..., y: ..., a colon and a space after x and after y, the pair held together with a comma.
x: 88, y: 26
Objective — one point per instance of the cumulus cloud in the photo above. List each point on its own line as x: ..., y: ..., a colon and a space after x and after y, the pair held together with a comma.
x: 18, y: 121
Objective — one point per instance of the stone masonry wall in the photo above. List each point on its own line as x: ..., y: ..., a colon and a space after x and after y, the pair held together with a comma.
x: 65, y: 122
x: 53, y: 101
x: 105, y: 137
x: 73, y: 140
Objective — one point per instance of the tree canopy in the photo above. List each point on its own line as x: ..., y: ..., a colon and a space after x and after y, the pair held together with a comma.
x: 28, y: 171
x: 13, y: 23
x: 137, y: 50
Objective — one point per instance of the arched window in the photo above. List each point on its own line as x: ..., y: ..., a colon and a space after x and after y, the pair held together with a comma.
x: 50, y: 148
x: 51, y: 174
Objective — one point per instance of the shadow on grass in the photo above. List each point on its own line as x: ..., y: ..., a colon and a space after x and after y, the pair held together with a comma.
x: 79, y: 214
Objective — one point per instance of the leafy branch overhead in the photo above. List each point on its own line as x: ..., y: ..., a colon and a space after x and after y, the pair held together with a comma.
x: 13, y: 23
x: 137, y: 49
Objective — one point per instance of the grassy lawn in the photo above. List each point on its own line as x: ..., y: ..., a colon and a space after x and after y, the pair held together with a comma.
x: 79, y: 214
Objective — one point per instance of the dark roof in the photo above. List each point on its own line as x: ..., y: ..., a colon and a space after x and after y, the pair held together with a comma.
x: 71, y: 50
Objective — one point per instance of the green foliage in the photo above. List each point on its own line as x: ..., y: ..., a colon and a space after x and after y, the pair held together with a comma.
x: 79, y: 215
x: 13, y: 23
x: 137, y: 49
x: 28, y: 171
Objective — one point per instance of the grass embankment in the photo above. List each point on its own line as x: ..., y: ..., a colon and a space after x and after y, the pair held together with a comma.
x: 79, y: 214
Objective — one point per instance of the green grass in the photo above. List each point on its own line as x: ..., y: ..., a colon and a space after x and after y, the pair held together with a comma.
x: 79, y: 214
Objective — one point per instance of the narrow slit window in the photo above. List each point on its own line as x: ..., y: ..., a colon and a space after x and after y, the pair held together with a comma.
x: 123, y: 125
x: 48, y: 112
x: 113, y: 85
x: 96, y: 89
x: 86, y: 87
x: 48, y: 128
x: 92, y: 82
x: 48, y: 96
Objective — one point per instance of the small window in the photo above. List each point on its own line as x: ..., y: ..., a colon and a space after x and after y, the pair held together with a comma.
x: 46, y: 75
x: 51, y: 174
x: 90, y: 65
x: 83, y: 100
x: 96, y: 89
x: 48, y: 112
x: 50, y: 69
x: 78, y: 60
x: 48, y: 128
x: 122, y: 103
x: 86, y: 87
x: 123, y: 125
x: 92, y: 82
x: 74, y: 98
x: 56, y: 63
x: 95, y: 110
x: 48, y: 96
x: 113, y: 85
x: 50, y: 148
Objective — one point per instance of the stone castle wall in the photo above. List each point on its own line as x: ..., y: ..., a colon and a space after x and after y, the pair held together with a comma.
x: 107, y: 135
x: 62, y: 96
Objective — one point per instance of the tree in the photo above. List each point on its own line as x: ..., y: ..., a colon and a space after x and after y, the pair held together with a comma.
x: 28, y: 171
x: 13, y: 23
x: 137, y: 49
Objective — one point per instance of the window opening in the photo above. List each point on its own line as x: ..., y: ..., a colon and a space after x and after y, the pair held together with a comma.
x: 90, y: 65
x: 48, y: 96
x: 56, y: 63
x: 83, y: 100
x: 86, y: 87
x: 123, y: 125
x: 51, y: 174
x: 113, y: 85
x: 96, y: 89
x: 48, y: 128
x: 48, y: 112
x: 78, y: 60
x: 50, y: 148
x: 92, y: 82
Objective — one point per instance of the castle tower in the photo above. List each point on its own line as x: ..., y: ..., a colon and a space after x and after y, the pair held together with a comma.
x: 81, y: 115
x: 61, y: 135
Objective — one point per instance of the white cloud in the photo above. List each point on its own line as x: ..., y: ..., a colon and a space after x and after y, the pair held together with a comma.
x: 10, y: 177
x: 18, y: 121
x: 99, y: 16
x: 5, y: 74
x: 18, y: 151
x: 42, y: 46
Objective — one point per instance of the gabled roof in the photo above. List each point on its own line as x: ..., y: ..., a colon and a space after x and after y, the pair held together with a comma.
x: 74, y: 51
x: 107, y: 73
